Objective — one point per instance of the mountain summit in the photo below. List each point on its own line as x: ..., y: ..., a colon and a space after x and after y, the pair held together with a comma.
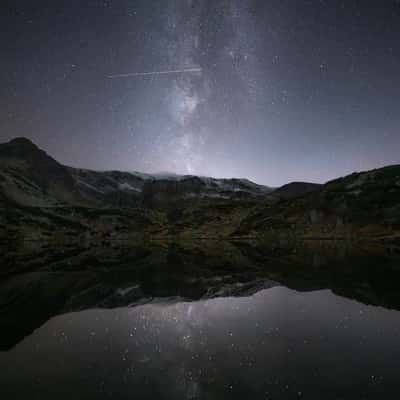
x: 31, y: 177
x: 20, y: 147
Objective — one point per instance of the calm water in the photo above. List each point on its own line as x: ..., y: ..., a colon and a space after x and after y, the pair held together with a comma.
x: 267, y: 342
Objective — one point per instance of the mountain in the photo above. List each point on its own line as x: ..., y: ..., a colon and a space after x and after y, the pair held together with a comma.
x: 134, y: 188
x: 363, y: 204
x: 30, y: 177
x: 295, y: 189
x: 41, y: 199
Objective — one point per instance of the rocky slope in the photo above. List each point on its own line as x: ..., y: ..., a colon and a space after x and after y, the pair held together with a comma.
x: 364, y: 204
x: 30, y: 177
x: 295, y: 189
x: 42, y: 199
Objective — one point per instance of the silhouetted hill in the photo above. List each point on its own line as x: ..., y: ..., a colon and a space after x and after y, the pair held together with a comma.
x: 296, y: 189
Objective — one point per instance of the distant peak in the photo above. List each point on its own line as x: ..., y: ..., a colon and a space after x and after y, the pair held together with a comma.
x: 22, y: 141
x: 21, y: 147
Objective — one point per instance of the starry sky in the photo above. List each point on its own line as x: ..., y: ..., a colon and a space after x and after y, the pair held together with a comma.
x: 282, y: 90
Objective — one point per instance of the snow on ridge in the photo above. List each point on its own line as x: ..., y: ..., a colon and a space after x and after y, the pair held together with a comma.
x: 127, y: 186
x: 222, y: 183
x: 133, y: 181
x: 89, y: 186
x: 141, y: 175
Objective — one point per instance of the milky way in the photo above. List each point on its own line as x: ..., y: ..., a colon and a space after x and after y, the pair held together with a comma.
x: 278, y: 90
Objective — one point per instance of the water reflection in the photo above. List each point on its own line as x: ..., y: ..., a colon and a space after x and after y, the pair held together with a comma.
x: 41, y: 282
x: 277, y: 343
x: 200, y: 320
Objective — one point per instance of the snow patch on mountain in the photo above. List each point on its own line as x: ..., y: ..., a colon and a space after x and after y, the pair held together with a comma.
x: 81, y: 182
x: 127, y: 186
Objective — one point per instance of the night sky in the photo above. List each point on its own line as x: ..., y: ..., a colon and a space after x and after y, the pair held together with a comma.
x: 284, y: 89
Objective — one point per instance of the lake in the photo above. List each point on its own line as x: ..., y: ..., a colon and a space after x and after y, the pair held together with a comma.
x: 215, y: 321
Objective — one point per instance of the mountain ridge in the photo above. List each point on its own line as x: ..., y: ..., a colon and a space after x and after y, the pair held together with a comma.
x: 40, y: 197
x: 22, y: 157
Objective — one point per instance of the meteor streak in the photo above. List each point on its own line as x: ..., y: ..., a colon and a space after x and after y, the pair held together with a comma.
x: 177, y: 71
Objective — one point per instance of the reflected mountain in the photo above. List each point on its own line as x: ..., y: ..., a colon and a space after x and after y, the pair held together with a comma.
x: 276, y: 344
x: 39, y: 282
